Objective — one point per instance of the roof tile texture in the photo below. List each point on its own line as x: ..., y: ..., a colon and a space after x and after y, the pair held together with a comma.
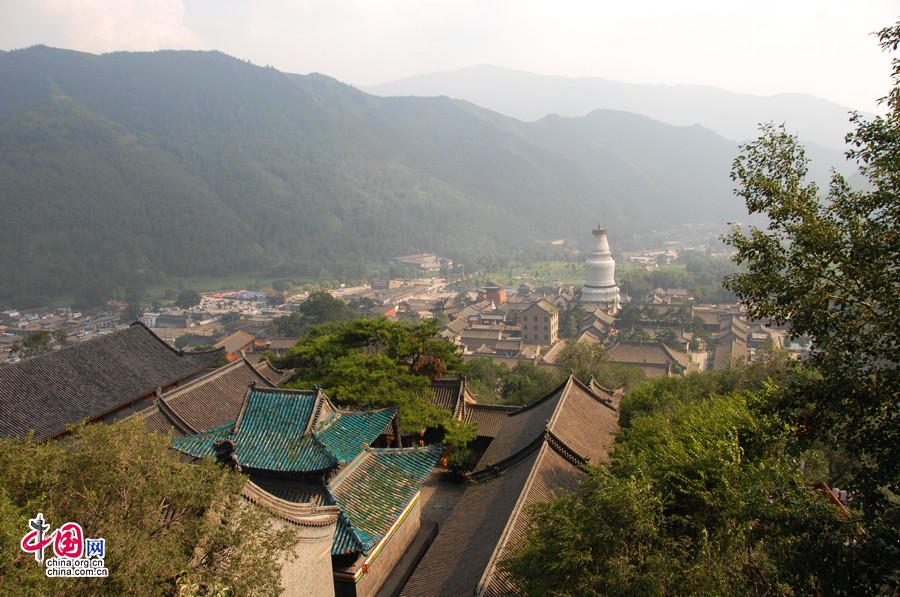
x: 90, y: 379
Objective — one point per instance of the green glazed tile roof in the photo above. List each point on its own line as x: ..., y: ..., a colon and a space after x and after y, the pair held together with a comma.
x: 272, y: 433
x: 344, y: 433
x: 201, y: 445
x: 374, y: 490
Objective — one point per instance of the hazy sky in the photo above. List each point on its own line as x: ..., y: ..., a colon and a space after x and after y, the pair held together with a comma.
x: 822, y: 47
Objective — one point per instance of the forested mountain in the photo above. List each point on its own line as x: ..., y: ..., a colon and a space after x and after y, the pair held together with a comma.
x: 119, y: 168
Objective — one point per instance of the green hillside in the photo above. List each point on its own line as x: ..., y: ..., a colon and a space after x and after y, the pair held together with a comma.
x: 121, y: 168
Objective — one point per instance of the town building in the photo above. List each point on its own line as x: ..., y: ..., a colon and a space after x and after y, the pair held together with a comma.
x: 654, y: 358
x: 540, y: 324
x: 236, y: 344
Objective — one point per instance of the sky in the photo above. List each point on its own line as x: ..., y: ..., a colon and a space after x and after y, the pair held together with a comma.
x: 763, y: 47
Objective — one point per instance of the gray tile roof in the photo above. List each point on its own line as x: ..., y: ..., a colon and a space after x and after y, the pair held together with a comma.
x: 535, y: 457
x: 488, y: 418
x: 216, y: 398
x: 91, y: 379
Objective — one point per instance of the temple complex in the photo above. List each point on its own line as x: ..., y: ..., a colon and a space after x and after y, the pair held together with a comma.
x: 600, y: 274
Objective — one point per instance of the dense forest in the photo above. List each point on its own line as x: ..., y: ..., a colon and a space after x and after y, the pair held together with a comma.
x: 124, y: 168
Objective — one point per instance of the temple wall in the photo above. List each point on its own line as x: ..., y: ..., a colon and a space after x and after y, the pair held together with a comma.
x: 309, y: 571
x: 387, y: 559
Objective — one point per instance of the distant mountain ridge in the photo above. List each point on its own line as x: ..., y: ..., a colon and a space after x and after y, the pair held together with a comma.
x: 529, y: 97
x: 121, y: 168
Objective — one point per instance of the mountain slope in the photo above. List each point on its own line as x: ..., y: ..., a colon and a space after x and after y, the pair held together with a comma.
x: 123, y: 167
x: 529, y: 97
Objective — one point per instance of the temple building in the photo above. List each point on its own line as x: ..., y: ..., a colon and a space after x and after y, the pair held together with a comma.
x: 600, y: 274
x: 104, y: 379
x: 307, y: 458
x: 536, y: 455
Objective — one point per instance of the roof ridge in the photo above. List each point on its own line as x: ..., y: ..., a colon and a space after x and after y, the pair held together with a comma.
x: 321, y: 400
x: 408, y: 449
x: 178, y: 351
x: 354, y: 532
x: 564, y: 450
x: 243, y: 411
x: 508, y: 527
x: 170, y: 413
x: 300, y: 513
x: 602, y: 400
x: 495, y: 470
x: 562, y: 398
x: 203, y: 378
x: 255, y: 371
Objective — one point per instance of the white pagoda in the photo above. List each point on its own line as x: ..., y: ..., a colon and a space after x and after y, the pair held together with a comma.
x: 600, y: 274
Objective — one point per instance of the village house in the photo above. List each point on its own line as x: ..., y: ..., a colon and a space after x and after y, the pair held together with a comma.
x: 236, y: 344
x: 540, y: 324
x: 654, y: 358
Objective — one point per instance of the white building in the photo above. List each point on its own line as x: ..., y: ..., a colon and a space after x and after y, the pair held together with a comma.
x: 600, y: 274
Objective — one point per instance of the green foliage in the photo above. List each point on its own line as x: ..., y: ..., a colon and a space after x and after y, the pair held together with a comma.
x: 660, y: 395
x: 125, y: 169
x: 585, y: 360
x: 831, y: 268
x: 187, y: 299
x: 320, y: 307
x: 167, y: 524
x: 379, y: 363
x: 526, y: 382
x: 603, y: 541
x: 36, y: 343
x: 700, y: 499
x: 570, y: 320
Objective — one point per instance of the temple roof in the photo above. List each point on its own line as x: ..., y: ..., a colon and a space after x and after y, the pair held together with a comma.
x: 275, y: 376
x: 536, y: 456
x: 452, y: 395
x: 489, y: 418
x: 215, y: 398
x: 371, y: 493
x: 374, y: 490
x: 90, y: 379
x: 291, y: 430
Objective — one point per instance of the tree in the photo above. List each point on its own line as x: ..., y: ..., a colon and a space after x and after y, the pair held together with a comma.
x: 131, y: 313
x: 831, y: 269
x: 380, y: 363
x: 170, y: 527
x: 699, y: 499
x: 581, y: 359
x: 187, y: 299
x: 570, y: 319
x: 320, y: 307
x: 36, y: 343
